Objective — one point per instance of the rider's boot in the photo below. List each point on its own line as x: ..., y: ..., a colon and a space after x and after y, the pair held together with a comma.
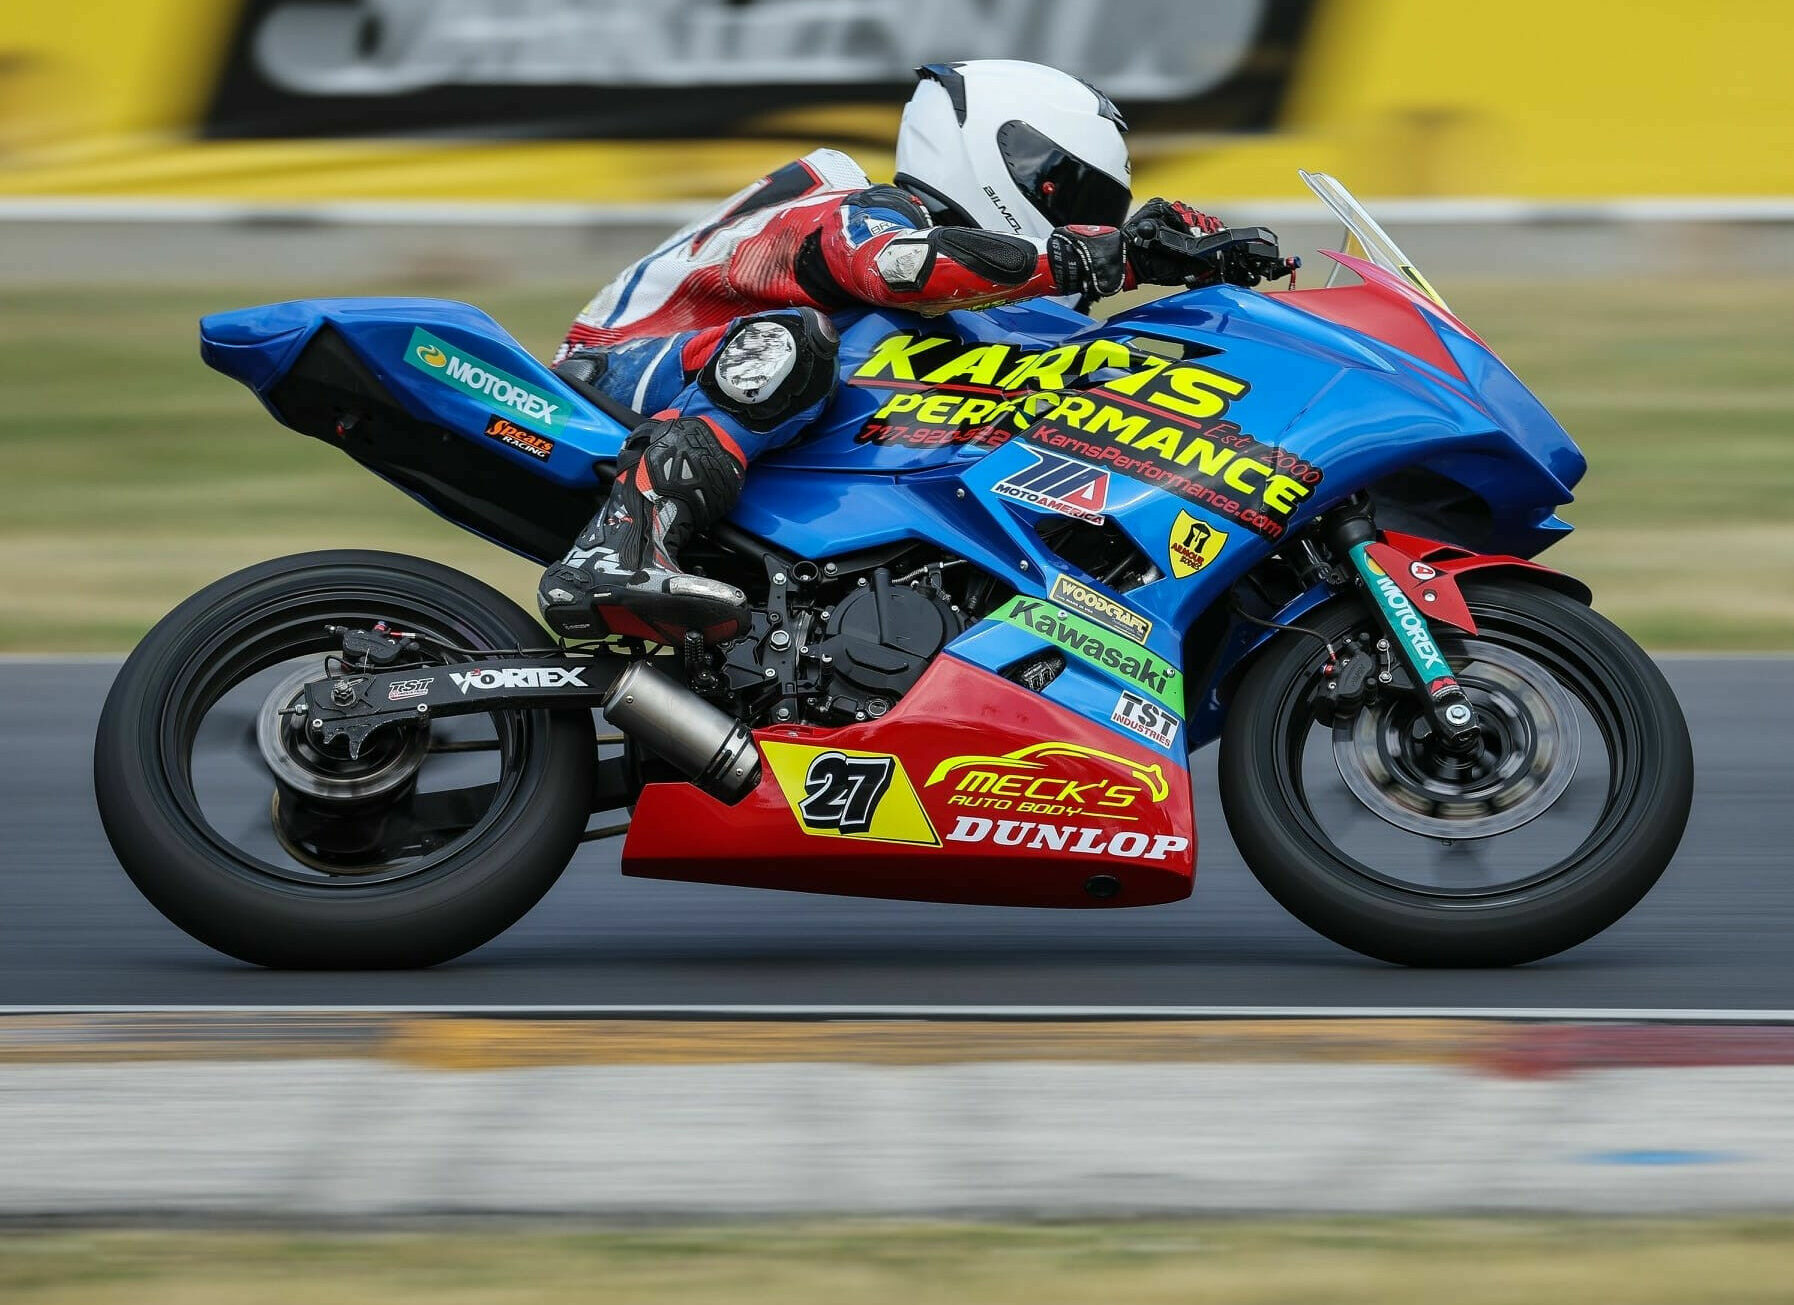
x: 677, y: 476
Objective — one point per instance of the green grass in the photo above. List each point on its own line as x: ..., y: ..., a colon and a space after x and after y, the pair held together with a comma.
x: 1293, y: 1262
x: 132, y: 475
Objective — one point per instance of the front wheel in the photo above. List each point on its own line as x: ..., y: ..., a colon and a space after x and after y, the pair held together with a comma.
x: 278, y: 851
x: 1374, y: 837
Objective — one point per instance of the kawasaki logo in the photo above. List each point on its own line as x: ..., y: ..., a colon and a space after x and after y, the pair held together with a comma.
x: 1090, y: 642
x: 441, y: 360
x: 522, y: 677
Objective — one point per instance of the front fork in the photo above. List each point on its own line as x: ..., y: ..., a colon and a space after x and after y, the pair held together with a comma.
x: 1447, y: 706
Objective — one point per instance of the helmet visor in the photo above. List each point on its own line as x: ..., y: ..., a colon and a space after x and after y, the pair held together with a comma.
x: 1067, y: 190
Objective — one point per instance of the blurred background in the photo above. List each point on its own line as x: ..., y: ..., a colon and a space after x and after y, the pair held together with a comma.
x: 1606, y: 195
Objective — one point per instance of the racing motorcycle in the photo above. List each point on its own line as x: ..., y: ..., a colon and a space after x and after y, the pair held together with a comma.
x: 1025, y: 563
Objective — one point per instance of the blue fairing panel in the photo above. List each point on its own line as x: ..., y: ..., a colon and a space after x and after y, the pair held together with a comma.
x: 258, y: 345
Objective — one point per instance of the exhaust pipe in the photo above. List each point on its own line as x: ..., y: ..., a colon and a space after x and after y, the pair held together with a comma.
x: 714, y: 751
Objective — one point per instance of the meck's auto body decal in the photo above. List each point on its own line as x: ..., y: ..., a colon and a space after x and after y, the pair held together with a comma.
x: 1165, y: 424
x: 1108, y: 652
x: 1024, y: 797
x: 839, y: 793
x: 1052, y: 778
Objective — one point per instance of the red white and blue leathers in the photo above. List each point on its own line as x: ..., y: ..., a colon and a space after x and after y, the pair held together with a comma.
x: 816, y: 233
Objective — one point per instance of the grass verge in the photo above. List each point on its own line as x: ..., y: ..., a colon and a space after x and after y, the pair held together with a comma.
x: 1339, y: 1261
x: 133, y: 475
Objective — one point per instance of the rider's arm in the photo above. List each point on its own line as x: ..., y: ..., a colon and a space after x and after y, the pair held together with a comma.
x: 880, y: 250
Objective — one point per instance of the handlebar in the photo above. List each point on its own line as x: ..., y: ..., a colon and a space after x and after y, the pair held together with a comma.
x: 1241, y: 256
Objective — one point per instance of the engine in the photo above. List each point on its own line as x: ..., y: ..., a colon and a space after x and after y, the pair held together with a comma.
x: 835, y: 647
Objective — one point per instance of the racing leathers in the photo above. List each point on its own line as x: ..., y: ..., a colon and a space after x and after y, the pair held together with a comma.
x: 723, y: 334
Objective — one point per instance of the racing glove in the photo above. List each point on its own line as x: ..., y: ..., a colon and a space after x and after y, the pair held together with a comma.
x: 1087, y: 261
x: 1150, y: 262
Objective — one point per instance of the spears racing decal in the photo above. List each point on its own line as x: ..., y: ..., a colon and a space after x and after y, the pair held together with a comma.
x: 1147, y: 719
x: 1193, y: 544
x: 1121, y: 658
x: 840, y: 793
x: 481, y: 380
x: 1059, y: 484
x: 1101, y: 608
x: 506, y: 431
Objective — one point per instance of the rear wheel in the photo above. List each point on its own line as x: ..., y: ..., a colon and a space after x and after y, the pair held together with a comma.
x: 1374, y: 836
x: 259, y: 843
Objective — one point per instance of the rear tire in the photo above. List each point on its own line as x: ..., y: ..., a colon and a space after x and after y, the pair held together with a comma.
x: 1650, y: 791
x: 225, y: 898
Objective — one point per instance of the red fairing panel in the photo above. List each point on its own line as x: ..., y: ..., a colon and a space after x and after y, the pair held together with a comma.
x: 1453, y: 561
x: 1433, y: 591
x: 971, y: 790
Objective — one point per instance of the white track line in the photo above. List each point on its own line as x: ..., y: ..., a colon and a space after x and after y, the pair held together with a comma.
x: 1634, y: 209
x: 900, y: 1012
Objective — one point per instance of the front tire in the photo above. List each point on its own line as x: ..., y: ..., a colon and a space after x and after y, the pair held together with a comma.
x: 1510, y: 911
x: 353, y: 902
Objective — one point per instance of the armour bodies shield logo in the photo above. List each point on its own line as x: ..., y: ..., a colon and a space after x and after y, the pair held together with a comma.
x: 521, y: 677
x: 1421, y: 571
x: 1193, y: 544
x: 1059, y: 484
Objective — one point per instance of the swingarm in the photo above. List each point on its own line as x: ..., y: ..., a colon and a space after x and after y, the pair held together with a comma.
x: 713, y: 750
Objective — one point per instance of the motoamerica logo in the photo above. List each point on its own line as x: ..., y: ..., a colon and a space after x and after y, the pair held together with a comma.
x: 440, y: 360
x: 1091, y: 643
x: 522, y: 677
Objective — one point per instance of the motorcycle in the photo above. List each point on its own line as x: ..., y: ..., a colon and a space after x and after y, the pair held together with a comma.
x: 1024, y: 564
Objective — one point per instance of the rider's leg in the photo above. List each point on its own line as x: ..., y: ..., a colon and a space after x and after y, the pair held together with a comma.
x: 681, y: 473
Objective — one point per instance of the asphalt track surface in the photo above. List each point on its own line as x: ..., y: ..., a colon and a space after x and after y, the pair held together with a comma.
x: 1717, y: 932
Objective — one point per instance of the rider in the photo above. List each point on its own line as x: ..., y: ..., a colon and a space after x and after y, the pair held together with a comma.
x: 1011, y: 183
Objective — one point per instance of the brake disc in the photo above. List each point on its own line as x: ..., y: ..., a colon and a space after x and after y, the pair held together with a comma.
x: 390, y: 762
x: 1531, y: 745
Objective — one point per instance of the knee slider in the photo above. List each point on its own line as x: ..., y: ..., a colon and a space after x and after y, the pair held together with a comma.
x: 772, y: 365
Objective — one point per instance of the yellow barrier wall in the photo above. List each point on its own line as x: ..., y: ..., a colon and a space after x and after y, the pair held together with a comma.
x: 1523, y: 98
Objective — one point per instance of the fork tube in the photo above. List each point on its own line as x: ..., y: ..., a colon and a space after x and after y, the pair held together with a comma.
x: 1447, y: 706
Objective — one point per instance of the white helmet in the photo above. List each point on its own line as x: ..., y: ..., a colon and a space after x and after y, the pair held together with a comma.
x: 1013, y: 147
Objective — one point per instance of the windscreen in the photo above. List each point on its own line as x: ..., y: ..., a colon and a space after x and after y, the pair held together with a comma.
x: 1371, y: 240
